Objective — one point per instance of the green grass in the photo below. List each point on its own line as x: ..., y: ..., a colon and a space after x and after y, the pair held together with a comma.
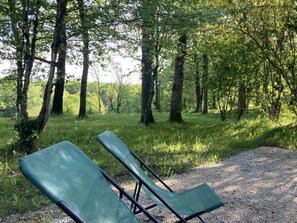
x: 168, y: 148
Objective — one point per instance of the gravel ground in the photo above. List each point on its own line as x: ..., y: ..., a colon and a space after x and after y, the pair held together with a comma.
x: 258, y: 185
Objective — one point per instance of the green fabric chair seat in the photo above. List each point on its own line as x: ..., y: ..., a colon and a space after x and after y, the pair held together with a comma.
x: 66, y: 175
x: 194, y: 201
x: 197, y: 200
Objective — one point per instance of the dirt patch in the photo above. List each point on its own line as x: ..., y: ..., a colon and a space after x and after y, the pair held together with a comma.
x: 258, y: 185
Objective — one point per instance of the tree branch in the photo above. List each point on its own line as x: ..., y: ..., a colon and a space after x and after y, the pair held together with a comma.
x: 45, y: 61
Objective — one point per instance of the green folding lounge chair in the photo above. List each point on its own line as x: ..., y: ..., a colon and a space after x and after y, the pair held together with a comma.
x: 71, y: 180
x: 189, y: 203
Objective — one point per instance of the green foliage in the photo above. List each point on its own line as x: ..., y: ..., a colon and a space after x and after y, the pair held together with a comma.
x: 130, y: 100
x: 35, y: 95
x: 17, y: 195
x: 71, y: 103
x: 6, y: 132
x: 7, y: 98
x: 3, y: 169
x: 27, y: 135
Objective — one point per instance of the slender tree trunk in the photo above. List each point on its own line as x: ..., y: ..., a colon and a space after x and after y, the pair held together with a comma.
x: 110, y: 98
x: 157, y: 94
x: 29, y: 53
x: 84, y: 79
x: 119, y: 98
x: 176, y: 98
x: 98, y: 95
x: 242, y: 104
x: 157, y: 50
x: 57, y: 108
x: 22, y: 30
x: 205, y: 84
x: 44, y: 112
x: 198, y: 95
x: 266, y: 71
x: 276, y: 104
x: 156, y: 84
x: 25, y: 51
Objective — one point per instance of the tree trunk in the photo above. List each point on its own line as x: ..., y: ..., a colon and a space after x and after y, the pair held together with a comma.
x: 158, y: 94
x: 205, y: 84
x: 273, y: 96
x: 98, y: 96
x: 176, y: 98
x: 156, y: 84
x: 198, y: 94
x: 25, y: 51
x: 157, y: 49
x: 223, y: 113
x: 84, y: 78
x: 242, y: 104
x: 147, y: 78
x: 57, y: 108
x: 25, y: 55
x: 276, y: 104
x: 119, y: 98
x: 110, y: 98
x: 44, y: 112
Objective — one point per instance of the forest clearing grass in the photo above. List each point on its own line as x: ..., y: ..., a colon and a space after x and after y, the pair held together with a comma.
x: 168, y: 148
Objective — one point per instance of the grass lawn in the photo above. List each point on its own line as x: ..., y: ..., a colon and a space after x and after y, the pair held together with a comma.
x: 166, y: 147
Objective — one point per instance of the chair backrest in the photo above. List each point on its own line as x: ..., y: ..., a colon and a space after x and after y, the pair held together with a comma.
x: 65, y: 174
x: 122, y: 152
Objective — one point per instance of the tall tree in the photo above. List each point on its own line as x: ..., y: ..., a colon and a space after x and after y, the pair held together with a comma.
x: 147, y: 91
x: 155, y: 71
x: 268, y: 25
x: 28, y: 39
x: 57, y: 107
x: 24, y: 25
x: 205, y: 84
x: 188, y: 16
x: 24, y: 20
x: 86, y: 51
x: 198, y: 91
x: 176, y: 98
x: 162, y: 37
x: 44, y: 112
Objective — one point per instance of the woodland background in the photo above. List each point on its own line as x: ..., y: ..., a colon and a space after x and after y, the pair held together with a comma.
x: 194, y: 56
x: 216, y: 78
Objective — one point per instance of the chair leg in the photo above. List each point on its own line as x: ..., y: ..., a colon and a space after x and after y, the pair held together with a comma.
x: 136, y: 195
x: 201, y: 219
x: 135, y: 190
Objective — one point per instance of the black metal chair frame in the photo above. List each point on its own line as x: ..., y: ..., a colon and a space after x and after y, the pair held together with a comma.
x: 140, y: 183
